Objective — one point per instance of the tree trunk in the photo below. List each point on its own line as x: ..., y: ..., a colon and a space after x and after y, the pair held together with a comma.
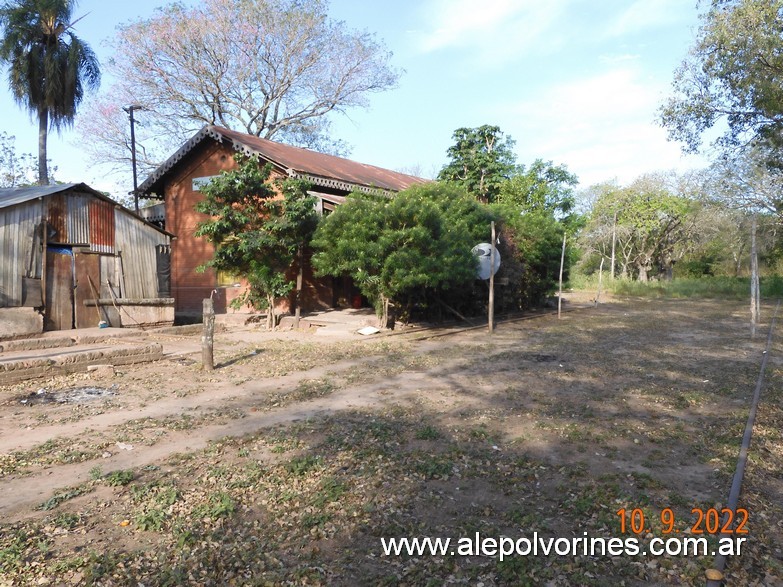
x: 385, y: 303
x: 43, y: 128
x: 298, y: 295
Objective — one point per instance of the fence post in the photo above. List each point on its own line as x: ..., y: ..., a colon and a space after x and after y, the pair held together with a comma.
x: 208, y: 336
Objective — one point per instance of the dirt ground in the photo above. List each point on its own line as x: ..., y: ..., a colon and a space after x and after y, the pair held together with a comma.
x: 290, y: 462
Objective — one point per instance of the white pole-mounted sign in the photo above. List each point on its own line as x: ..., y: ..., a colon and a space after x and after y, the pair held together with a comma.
x: 483, y: 252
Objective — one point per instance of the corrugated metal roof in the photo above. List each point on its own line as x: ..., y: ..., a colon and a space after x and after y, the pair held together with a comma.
x: 319, y: 168
x: 13, y: 196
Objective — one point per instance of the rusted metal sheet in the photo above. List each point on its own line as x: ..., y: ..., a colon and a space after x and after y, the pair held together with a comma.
x: 102, y: 227
x: 57, y: 219
x: 78, y: 219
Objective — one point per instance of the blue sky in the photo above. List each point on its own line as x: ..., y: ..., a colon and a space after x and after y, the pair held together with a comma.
x: 577, y: 82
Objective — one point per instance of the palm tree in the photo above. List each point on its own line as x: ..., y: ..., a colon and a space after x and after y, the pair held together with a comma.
x: 49, y: 67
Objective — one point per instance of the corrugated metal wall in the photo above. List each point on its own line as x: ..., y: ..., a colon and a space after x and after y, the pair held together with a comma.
x: 78, y: 219
x: 20, y: 250
x: 136, y: 242
x: 102, y: 226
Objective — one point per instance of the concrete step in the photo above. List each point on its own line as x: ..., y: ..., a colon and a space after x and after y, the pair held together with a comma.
x: 23, y: 365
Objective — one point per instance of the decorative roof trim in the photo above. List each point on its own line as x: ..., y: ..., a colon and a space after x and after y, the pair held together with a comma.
x: 180, y: 154
x: 328, y: 182
x: 149, y: 185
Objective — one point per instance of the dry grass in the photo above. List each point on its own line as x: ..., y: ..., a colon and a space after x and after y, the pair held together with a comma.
x: 550, y: 427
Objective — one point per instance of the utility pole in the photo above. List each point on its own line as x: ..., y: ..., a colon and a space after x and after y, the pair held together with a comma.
x: 130, y: 110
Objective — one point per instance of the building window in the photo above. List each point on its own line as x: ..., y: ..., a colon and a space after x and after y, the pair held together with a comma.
x: 227, y: 279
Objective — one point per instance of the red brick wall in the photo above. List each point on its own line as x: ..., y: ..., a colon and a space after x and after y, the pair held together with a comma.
x: 190, y: 287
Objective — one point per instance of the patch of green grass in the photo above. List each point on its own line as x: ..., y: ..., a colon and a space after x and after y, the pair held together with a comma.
x: 150, y: 520
x: 428, y: 433
x: 331, y: 490
x: 312, y: 388
x: 301, y: 465
x: 65, y: 495
x: 119, y: 478
x: 313, y: 520
x: 66, y: 520
x: 432, y: 467
x: 12, y: 552
x: 219, y: 505
x: 699, y: 287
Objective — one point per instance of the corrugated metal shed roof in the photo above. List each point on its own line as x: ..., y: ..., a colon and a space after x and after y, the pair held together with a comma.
x: 319, y: 168
x: 13, y: 196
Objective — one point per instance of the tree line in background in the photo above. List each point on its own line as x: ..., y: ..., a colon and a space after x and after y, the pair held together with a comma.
x: 279, y: 69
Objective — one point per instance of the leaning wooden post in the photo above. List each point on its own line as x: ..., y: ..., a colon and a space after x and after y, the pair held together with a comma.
x: 492, y: 282
x: 560, y: 288
x: 600, y: 279
x: 208, y: 337
x: 754, y: 280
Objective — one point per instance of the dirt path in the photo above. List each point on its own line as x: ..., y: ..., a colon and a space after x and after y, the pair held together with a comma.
x: 548, y: 426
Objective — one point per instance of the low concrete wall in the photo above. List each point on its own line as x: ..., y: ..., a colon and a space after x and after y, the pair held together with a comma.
x: 13, y: 371
x: 19, y: 322
x: 136, y: 313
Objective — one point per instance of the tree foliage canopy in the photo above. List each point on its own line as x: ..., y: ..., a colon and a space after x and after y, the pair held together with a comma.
x: 400, y: 250
x: 256, y: 233
x: 650, y: 220
x: 543, y: 187
x: 272, y: 68
x: 49, y: 67
x: 734, y: 73
x: 481, y: 159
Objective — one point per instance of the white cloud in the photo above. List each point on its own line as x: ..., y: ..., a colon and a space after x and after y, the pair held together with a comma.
x: 497, y: 30
x: 645, y: 14
x: 601, y: 127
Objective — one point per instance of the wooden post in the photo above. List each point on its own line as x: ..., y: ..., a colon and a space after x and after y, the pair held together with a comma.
x: 208, y: 337
x: 754, y: 280
x: 600, y: 279
x: 560, y: 289
x: 298, y: 295
x: 614, y: 240
x: 492, y: 282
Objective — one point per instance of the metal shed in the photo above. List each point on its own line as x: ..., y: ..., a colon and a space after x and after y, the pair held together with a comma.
x: 75, y: 258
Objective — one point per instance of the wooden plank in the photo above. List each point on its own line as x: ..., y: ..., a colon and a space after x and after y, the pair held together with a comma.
x: 59, y: 291
x: 87, y: 268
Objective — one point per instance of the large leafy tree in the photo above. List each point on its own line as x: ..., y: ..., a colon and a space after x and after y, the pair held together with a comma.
x: 410, y: 249
x: 481, y: 159
x: 278, y: 69
x: 734, y: 74
x: 542, y: 187
x: 651, y: 221
x: 49, y: 67
x: 256, y: 232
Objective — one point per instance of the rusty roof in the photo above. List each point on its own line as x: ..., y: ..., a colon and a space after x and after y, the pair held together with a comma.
x: 19, y: 195
x: 319, y: 168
